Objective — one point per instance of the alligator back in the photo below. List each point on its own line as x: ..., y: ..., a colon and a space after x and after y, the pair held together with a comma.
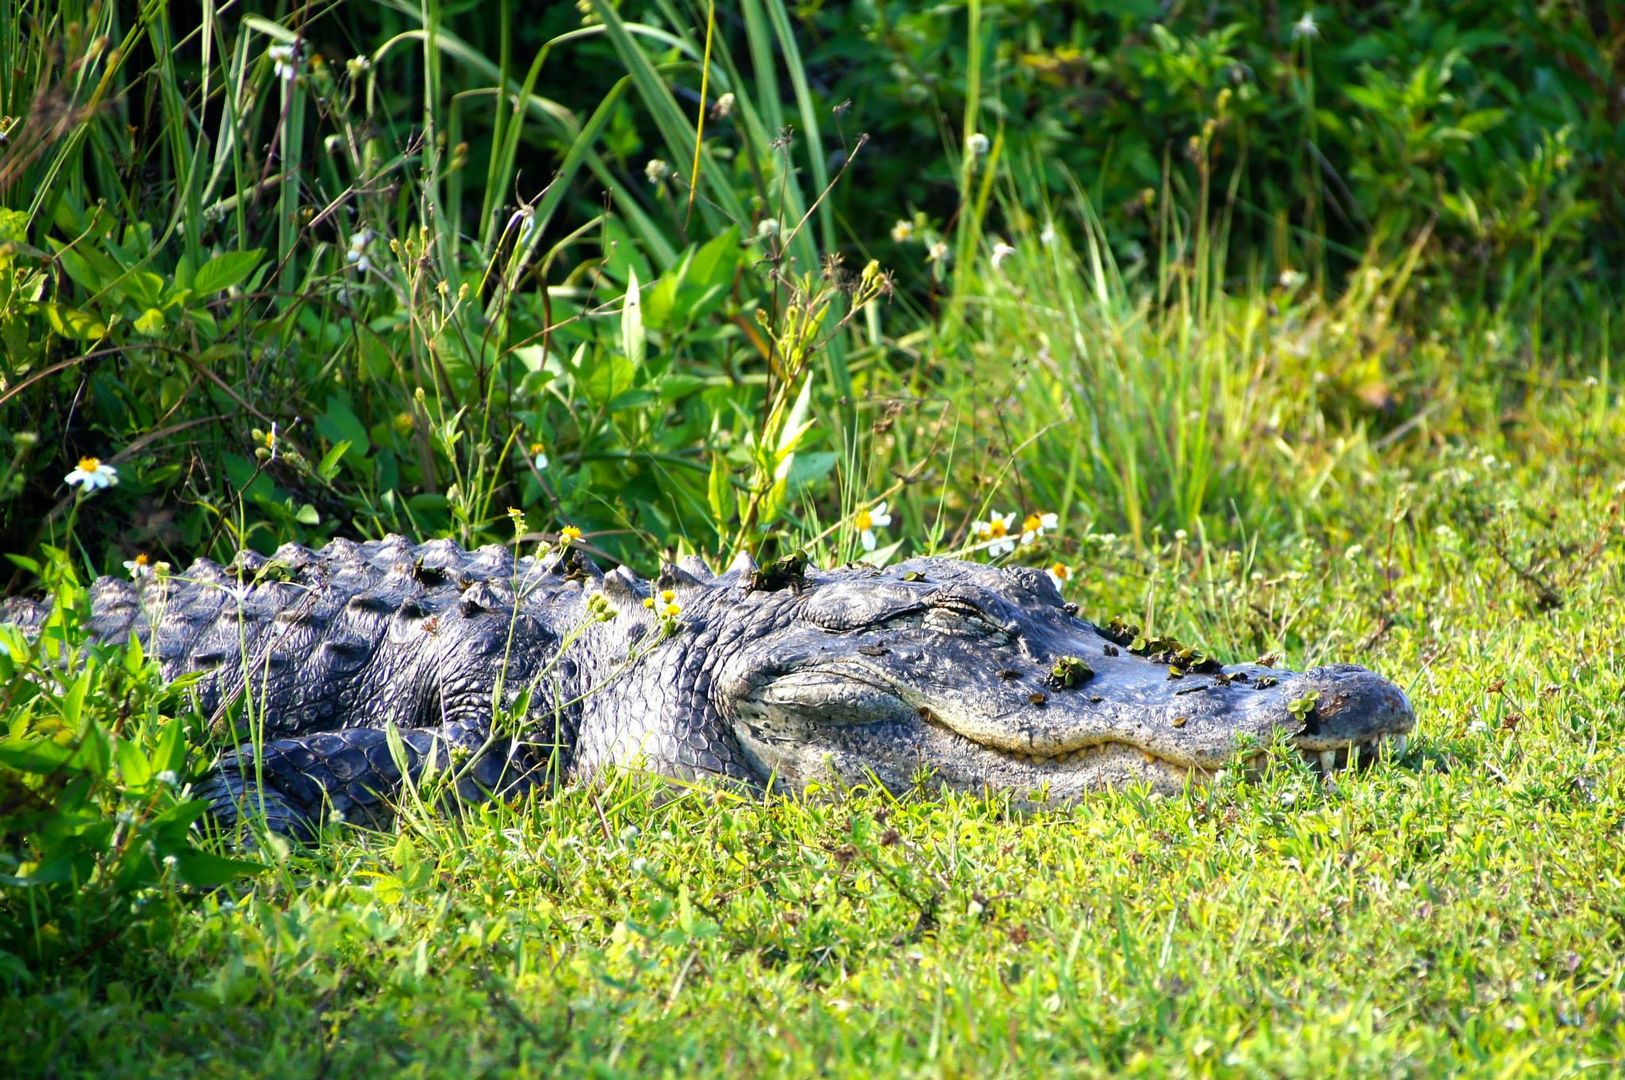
x: 353, y: 635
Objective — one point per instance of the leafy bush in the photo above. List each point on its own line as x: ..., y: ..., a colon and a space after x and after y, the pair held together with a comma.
x: 96, y: 829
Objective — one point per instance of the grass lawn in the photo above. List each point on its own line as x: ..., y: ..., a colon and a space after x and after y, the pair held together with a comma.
x: 1301, y: 328
x: 1457, y: 911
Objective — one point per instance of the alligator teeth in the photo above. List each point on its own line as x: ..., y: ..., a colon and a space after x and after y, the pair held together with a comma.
x: 1328, y: 760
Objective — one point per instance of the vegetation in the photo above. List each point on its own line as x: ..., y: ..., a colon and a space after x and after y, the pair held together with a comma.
x: 1302, y: 331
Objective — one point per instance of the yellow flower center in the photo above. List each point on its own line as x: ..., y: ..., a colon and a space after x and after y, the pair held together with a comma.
x: 1062, y: 571
x: 141, y: 559
x: 537, y: 448
x: 866, y: 521
x: 569, y: 532
x: 997, y: 528
x: 672, y: 611
x: 1032, y: 523
x: 667, y: 595
x: 89, y: 464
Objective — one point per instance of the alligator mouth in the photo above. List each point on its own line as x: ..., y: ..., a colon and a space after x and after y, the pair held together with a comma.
x: 1355, y: 755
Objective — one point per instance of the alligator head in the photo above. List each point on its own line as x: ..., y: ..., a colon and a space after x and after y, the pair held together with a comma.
x: 987, y: 680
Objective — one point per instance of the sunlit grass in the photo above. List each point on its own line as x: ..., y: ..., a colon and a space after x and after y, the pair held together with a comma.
x: 1236, y: 456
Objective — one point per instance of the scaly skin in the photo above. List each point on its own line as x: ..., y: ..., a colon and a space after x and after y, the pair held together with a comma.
x: 507, y: 674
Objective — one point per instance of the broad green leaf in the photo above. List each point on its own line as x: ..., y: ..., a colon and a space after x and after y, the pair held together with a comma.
x: 39, y: 756
x: 603, y: 376
x: 203, y: 870
x: 73, y: 323
x: 716, y: 261
x: 150, y: 323
x: 339, y: 423
x: 170, y: 753
x: 134, y: 768
x: 13, y: 227
x: 661, y: 306
x: 225, y: 270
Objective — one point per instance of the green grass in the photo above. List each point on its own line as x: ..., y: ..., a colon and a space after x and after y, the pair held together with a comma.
x: 1241, y: 455
x: 1458, y: 911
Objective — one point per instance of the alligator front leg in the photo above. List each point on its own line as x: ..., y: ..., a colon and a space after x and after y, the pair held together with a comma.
x: 353, y: 774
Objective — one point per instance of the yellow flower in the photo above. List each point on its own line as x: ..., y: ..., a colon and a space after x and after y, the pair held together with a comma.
x: 649, y: 602
x: 1060, y: 573
x: 1034, y: 526
x: 667, y: 595
x: 569, y: 535
x: 995, y: 532
x: 673, y: 610
x: 517, y: 516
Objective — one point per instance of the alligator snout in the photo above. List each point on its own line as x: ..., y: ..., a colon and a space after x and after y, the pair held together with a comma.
x: 1350, y: 715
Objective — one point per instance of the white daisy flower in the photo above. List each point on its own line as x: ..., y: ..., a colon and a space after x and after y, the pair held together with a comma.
x: 1001, y: 252
x: 1047, y: 237
x: 1060, y: 573
x: 1306, y: 27
x: 1034, y: 526
x: 903, y: 232
x: 868, y: 520
x: 139, y: 567
x: 284, y: 60
x: 995, y: 533
x: 978, y: 144
x: 937, y: 253
x: 92, y: 473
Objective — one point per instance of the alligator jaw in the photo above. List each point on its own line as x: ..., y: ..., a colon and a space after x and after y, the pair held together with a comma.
x: 852, y: 720
x: 1358, y: 754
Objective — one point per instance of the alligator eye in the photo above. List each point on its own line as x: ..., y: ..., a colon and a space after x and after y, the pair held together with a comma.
x: 963, y: 619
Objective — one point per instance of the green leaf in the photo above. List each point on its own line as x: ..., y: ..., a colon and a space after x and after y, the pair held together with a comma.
x: 134, y: 769
x: 73, y: 323
x: 41, y: 756
x: 224, y: 271
x: 150, y: 323
x: 720, y: 491
x: 716, y: 261
x: 339, y: 423
x: 170, y: 753
x: 204, y: 870
x: 13, y: 227
x: 633, y: 340
x: 328, y: 467
x: 604, y: 376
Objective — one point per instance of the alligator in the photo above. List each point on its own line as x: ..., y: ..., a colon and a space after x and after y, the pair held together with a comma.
x: 342, y: 674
